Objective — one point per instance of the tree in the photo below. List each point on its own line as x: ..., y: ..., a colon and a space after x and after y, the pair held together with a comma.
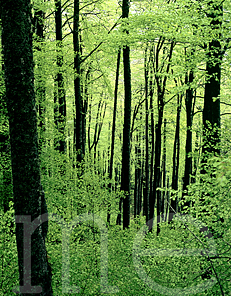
x: 189, y: 120
x: 214, y: 53
x: 6, y: 192
x: 176, y: 154
x: 59, y: 96
x: 40, y: 90
x: 110, y: 167
x: 20, y: 96
x: 125, y: 174
x: 146, y: 191
x: 77, y: 85
x: 161, y: 89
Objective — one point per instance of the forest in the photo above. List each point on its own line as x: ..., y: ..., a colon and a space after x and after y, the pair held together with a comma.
x: 115, y: 147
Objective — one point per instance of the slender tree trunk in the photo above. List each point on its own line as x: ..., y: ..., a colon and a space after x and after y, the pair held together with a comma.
x: 167, y: 202
x: 89, y: 126
x: 161, y: 87
x: 176, y: 155
x: 151, y: 90
x: 157, y: 172
x: 137, y: 191
x: 146, y: 190
x: 189, y: 120
x: 41, y: 87
x: 141, y: 179
x: 59, y: 96
x: 77, y: 86
x: 197, y: 153
x: 110, y: 169
x: 125, y: 174
x: 163, y: 202
x: 29, y: 200
x: 85, y: 109
x: 98, y: 127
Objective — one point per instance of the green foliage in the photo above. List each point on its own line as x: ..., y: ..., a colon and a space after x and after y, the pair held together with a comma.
x: 210, y: 197
x: 8, y: 253
x: 71, y: 191
x: 170, y: 271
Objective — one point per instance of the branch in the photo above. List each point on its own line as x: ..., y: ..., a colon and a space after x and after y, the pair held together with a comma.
x: 225, y: 103
x: 227, y: 113
x: 84, y: 59
x: 134, y: 115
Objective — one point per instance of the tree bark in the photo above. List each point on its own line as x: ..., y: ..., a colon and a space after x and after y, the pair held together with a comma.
x: 110, y: 169
x: 29, y: 197
x: 59, y: 95
x: 6, y: 195
x: 138, y: 174
x: 40, y: 90
x: 77, y: 86
x: 189, y: 121
x: 176, y: 155
x: 211, y: 111
x: 163, y: 201
x: 146, y: 189
x: 151, y: 92
x: 161, y: 88
x: 125, y: 174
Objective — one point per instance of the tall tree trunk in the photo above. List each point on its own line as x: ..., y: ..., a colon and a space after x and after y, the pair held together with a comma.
x: 157, y: 172
x: 137, y: 189
x: 77, y: 85
x: 125, y: 174
x: 161, y: 87
x: 163, y: 201
x: 110, y: 169
x: 29, y: 200
x: 176, y: 155
x: 146, y: 189
x: 5, y: 167
x: 151, y: 91
x: 40, y: 91
x: 59, y: 95
x: 189, y: 121
x: 211, y: 111
x: 85, y: 109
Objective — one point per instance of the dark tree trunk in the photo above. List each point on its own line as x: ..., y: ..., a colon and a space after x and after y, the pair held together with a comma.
x: 157, y: 172
x: 29, y: 197
x: 6, y: 193
x: 98, y: 127
x: 125, y: 174
x: 85, y: 109
x: 163, y: 202
x: 110, y: 169
x: 77, y: 86
x: 40, y: 90
x: 161, y: 87
x: 59, y: 95
x: 167, y: 202
x: 137, y: 189
x: 211, y: 111
x: 151, y: 91
x: 176, y: 156
x: 197, y: 153
x: 146, y: 189
x: 189, y: 121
